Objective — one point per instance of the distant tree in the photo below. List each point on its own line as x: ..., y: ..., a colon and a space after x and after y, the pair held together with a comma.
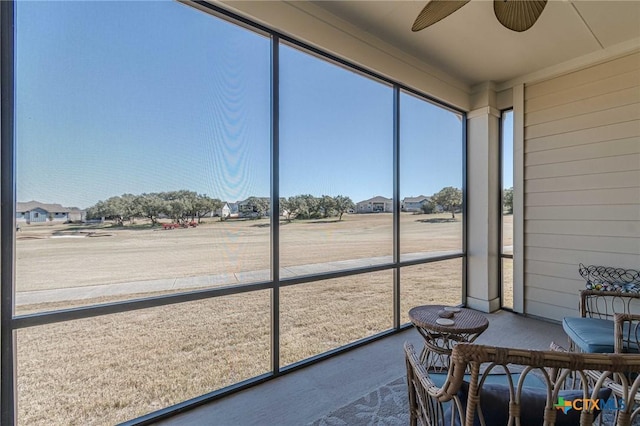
x: 151, y: 206
x: 204, y: 204
x: 293, y: 206
x: 190, y: 200
x: 449, y: 198
x: 326, y: 206
x: 259, y: 205
x: 428, y: 207
x: 308, y: 206
x: 118, y: 209
x: 179, y: 204
x: 314, y: 206
x: 287, y: 209
x: 96, y: 211
x: 507, y: 200
x: 342, y: 204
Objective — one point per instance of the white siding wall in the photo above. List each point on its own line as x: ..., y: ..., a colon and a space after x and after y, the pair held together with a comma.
x: 582, y: 180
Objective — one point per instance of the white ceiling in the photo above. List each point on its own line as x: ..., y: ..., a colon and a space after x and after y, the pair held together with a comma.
x: 472, y: 46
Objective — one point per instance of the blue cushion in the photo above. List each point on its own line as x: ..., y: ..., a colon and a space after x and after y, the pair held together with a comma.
x: 593, y: 335
x: 496, y: 377
x: 494, y: 402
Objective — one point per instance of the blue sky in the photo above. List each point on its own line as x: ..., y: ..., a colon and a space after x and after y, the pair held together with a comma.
x: 507, y: 150
x: 133, y: 97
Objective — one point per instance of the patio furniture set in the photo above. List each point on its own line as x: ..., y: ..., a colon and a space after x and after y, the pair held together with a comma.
x: 596, y: 381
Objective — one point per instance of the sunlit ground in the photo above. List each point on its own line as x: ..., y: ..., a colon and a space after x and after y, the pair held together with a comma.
x: 233, y: 252
x: 112, y: 368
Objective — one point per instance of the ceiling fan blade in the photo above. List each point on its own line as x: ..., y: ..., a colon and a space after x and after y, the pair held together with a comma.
x: 518, y: 15
x: 436, y: 10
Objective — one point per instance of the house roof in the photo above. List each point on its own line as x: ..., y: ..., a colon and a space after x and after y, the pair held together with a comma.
x: 31, y: 205
x: 418, y: 199
x: 377, y: 199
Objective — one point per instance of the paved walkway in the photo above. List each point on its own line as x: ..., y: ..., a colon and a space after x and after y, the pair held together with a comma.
x: 217, y: 280
x: 302, y: 396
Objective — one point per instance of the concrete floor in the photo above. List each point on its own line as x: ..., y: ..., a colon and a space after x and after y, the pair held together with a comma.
x: 307, y: 394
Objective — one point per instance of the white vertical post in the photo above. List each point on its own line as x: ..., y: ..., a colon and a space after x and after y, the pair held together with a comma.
x: 483, y: 192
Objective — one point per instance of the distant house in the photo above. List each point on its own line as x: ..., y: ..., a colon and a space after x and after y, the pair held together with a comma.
x: 376, y: 204
x: 77, y: 215
x: 414, y: 204
x: 36, y: 212
x: 233, y: 210
x: 224, y: 211
x: 227, y: 210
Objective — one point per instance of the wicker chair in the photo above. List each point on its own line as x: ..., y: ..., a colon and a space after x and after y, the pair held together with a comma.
x: 610, y: 291
x: 467, y: 397
x: 627, y: 333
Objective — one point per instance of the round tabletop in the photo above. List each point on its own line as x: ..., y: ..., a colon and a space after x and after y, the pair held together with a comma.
x: 465, y: 321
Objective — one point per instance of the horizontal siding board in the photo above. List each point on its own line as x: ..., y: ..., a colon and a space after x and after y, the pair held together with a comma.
x: 595, y: 151
x: 592, y: 197
x: 619, y: 114
x: 582, y: 182
x: 629, y: 129
x: 586, y: 106
x: 559, y: 300
x: 622, y: 245
x: 585, y: 76
x: 553, y: 270
x: 586, y: 91
x: 629, y: 162
x: 628, y: 228
x: 557, y: 296
x: 612, y: 213
x: 617, y: 260
x: 553, y: 312
x: 563, y: 286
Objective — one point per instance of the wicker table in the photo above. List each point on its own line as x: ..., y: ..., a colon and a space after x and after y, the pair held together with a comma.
x: 440, y: 339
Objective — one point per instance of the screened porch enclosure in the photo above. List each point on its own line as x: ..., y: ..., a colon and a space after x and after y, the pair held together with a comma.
x: 251, y: 190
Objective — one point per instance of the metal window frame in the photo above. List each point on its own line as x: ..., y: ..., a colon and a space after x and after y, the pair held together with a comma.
x: 10, y: 323
x: 7, y: 212
x: 275, y: 205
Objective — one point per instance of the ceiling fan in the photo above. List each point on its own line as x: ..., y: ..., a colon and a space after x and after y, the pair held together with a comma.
x: 517, y: 15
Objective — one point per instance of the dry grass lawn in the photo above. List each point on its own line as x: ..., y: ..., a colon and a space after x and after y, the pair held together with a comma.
x: 116, y: 255
x: 112, y: 368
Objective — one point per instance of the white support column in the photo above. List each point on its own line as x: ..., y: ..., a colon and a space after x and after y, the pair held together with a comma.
x: 483, y: 198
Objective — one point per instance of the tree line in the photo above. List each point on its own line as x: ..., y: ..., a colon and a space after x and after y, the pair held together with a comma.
x: 305, y: 206
x: 309, y: 207
x: 448, y: 198
x: 184, y: 205
x: 180, y: 206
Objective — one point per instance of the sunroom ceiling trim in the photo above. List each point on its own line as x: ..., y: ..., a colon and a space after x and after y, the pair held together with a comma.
x: 317, y: 27
x: 594, y: 58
